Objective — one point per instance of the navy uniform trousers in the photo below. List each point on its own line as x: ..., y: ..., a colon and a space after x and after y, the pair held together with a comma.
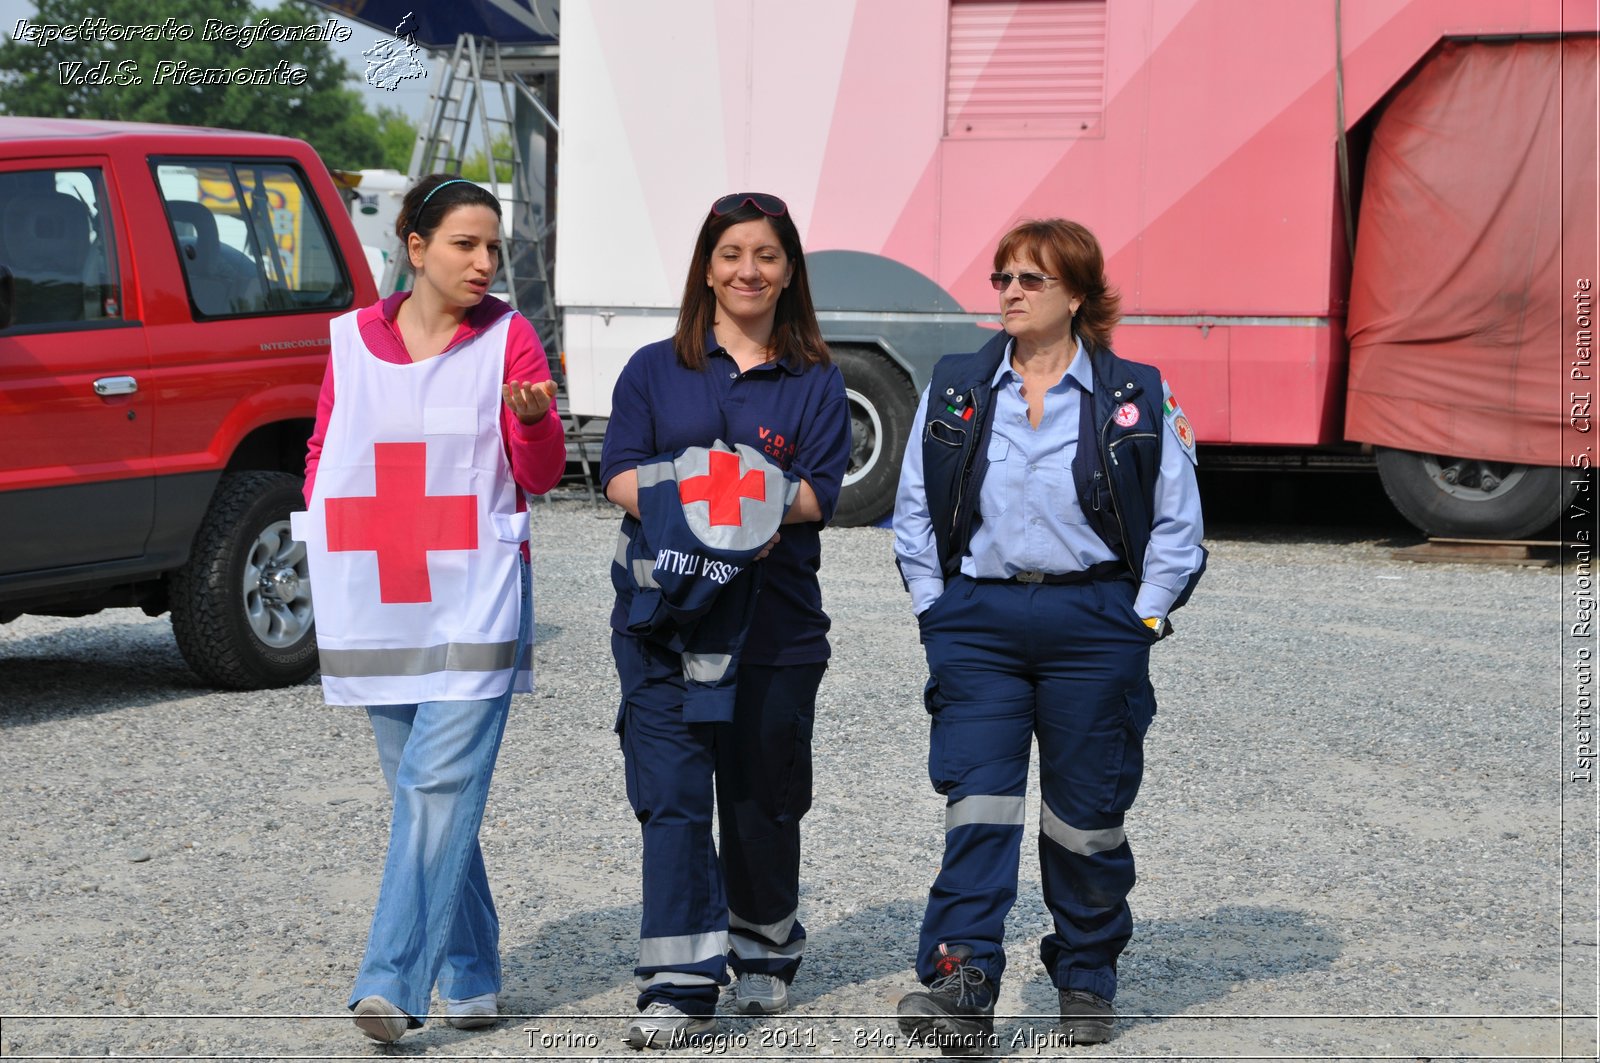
x: 702, y: 913
x: 1069, y: 665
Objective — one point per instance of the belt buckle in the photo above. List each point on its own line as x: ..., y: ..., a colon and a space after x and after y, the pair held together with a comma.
x: 1031, y: 575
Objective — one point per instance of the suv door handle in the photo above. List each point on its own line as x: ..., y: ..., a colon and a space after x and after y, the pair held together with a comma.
x: 115, y: 385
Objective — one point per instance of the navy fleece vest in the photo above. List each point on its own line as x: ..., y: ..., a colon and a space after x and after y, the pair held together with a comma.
x: 1115, y: 468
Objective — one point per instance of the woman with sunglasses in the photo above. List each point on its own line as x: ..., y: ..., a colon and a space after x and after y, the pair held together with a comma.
x: 1046, y: 524
x: 436, y: 415
x: 747, y: 365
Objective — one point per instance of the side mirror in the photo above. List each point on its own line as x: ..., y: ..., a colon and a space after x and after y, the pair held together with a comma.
x: 8, y: 297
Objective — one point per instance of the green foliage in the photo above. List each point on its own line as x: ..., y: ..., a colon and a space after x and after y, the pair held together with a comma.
x: 321, y: 109
x: 397, y: 135
x: 476, y: 168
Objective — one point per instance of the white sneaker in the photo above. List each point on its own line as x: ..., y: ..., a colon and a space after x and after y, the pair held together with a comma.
x: 760, y: 994
x: 381, y: 1020
x: 472, y: 1013
x: 663, y: 1026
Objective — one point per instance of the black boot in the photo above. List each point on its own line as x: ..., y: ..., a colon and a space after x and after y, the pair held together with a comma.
x: 957, y: 1011
x: 1086, y: 1019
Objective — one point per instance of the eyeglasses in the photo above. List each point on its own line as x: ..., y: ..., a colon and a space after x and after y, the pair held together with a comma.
x: 771, y: 206
x: 1031, y: 282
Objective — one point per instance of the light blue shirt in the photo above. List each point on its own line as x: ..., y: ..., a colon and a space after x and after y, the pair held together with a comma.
x: 1031, y: 516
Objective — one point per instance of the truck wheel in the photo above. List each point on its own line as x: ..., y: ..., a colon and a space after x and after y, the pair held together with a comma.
x: 882, y: 405
x: 241, y: 605
x: 1472, y: 499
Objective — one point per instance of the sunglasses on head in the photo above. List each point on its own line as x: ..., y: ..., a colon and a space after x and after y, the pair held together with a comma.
x: 771, y: 206
x: 1031, y: 282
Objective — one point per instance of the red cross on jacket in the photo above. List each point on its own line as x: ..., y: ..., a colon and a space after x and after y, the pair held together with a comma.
x: 722, y: 487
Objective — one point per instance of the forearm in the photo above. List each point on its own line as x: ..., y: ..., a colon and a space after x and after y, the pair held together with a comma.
x: 805, y: 506
x: 537, y: 452
x: 319, y: 431
x: 536, y: 448
x: 1174, y: 553
x: 915, y: 548
x: 623, y: 490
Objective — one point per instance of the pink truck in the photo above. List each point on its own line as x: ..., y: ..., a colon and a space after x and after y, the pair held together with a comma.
x: 1349, y: 231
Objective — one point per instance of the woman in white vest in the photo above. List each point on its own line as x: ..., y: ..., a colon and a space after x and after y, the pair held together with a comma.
x: 436, y: 415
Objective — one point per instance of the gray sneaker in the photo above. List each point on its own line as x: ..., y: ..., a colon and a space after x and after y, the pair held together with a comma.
x: 760, y: 994
x: 473, y: 1013
x: 660, y: 1025
x: 381, y: 1020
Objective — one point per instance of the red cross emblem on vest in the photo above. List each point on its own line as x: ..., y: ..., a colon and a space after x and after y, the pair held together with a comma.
x: 401, y: 522
x: 722, y: 487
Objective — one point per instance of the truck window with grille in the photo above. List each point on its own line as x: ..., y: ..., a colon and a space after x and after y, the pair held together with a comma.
x: 1026, y: 68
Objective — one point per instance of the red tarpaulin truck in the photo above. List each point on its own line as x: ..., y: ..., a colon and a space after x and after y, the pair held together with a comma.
x: 1213, y: 146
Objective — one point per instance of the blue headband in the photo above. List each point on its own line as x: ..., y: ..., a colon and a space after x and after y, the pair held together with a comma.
x: 442, y: 184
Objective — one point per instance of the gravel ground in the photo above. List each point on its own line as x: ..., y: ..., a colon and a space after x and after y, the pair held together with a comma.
x: 1352, y: 839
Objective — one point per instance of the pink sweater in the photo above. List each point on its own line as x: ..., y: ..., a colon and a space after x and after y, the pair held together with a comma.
x: 537, y: 452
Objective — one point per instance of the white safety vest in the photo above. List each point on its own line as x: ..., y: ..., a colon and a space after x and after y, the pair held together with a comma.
x: 413, y: 535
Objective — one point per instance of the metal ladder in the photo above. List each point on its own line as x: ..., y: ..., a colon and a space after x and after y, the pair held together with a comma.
x: 457, y: 108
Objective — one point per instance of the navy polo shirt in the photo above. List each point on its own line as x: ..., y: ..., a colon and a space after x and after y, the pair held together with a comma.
x: 795, y: 415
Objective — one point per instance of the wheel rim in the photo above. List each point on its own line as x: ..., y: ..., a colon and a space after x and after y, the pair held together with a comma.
x: 1471, y: 479
x: 277, y: 587
x: 866, y: 437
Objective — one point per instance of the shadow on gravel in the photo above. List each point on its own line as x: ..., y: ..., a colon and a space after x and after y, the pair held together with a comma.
x: 573, y: 959
x: 869, y: 943
x: 98, y: 667
x: 1301, y: 507
x: 1171, y: 967
x: 1289, y: 535
x: 1174, y: 966
x: 95, y: 665
x: 597, y: 950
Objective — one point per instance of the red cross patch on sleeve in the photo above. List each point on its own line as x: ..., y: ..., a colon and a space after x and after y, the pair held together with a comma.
x: 1182, y: 430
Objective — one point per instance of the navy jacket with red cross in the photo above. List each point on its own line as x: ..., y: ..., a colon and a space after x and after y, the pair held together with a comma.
x: 1115, y: 467
x: 684, y: 568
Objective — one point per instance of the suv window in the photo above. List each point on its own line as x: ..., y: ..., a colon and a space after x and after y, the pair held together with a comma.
x: 56, y: 238
x: 250, y: 239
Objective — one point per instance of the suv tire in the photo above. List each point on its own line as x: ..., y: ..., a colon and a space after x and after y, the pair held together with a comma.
x: 241, y: 604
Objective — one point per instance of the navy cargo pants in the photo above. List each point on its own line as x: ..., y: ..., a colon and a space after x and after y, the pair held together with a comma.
x: 1068, y: 665
x: 702, y: 912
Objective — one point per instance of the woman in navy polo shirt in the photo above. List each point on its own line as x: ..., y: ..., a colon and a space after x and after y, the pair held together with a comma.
x: 746, y: 365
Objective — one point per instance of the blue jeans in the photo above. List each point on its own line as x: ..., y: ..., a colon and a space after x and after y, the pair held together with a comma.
x: 435, y: 919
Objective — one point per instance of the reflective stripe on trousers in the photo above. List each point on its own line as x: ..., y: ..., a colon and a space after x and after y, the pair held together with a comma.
x: 1066, y: 664
x: 759, y: 768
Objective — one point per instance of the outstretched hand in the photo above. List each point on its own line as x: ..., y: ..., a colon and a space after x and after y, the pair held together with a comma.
x: 528, y: 400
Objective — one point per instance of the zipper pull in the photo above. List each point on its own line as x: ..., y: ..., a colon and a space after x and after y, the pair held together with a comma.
x: 1094, y: 495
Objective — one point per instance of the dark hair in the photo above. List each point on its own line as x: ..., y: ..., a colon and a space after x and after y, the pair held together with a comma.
x: 795, y: 335
x: 1069, y: 251
x: 434, y: 196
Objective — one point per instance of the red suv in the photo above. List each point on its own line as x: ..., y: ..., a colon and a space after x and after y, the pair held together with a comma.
x: 165, y: 295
